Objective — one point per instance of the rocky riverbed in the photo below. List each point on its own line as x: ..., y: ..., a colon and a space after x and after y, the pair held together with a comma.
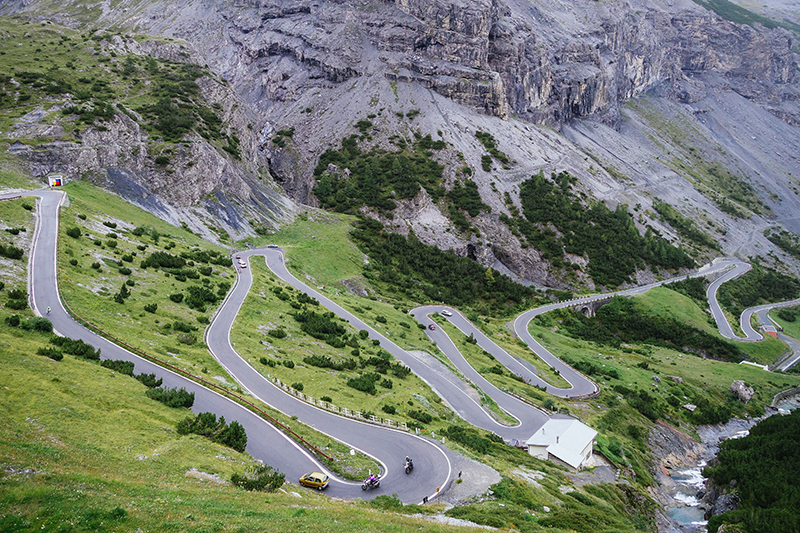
x: 680, y: 489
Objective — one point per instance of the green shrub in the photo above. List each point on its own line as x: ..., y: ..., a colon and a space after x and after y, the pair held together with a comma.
x: 469, y: 438
x: 122, y: 295
x: 279, y: 333
x: 259, y: 478
x: 74, y: 232
x: 323, y: 361
x: 17, y: 305
x: 11, y: 252
x: 123, y: 367
x: 297, y: 386
x: 172, y: 397
x: 17, y: 294
x: 149, y: 380
x: 183, y: 327
x: 163, y: 260
x: 76, y: 347
x: 198, y: 297
x: 207, y: 425
x: 421, y: 416
x: 38, y: 323
x: 52, y: 353
x: 187, y: 338
x: 363, y: 383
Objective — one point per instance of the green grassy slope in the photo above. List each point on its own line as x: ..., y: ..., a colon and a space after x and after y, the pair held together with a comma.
x: 90, y: 291
x: 83, y: 449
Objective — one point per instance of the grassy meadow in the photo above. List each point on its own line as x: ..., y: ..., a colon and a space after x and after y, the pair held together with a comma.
x: 91, y: 273
x: 791, y: 329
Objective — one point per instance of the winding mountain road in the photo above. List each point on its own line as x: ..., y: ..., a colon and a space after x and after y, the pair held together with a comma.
x: 265, y: 442
x: 746, y: 318
x: 388, y: 446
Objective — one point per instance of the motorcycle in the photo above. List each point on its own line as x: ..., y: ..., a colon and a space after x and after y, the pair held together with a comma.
x: 409, y: 466
x: 371, y: 483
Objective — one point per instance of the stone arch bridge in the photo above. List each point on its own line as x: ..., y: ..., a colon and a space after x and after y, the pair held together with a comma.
x: 589, y: 309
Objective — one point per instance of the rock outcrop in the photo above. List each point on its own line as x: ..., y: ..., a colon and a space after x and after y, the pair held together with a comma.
x: 207, y: 189
x: 742, y: 391
x: 545, y: 63
x: 717, y: 499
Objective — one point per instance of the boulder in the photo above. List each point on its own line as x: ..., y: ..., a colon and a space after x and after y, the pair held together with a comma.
x: 742, y: 391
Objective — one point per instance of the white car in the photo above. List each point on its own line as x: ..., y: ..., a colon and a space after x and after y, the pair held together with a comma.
x: 272, y: 246
x: 242, y: 264
x: 446, y: 313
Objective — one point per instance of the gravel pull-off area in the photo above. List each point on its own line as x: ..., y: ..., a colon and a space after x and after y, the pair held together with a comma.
x: 476, y: 478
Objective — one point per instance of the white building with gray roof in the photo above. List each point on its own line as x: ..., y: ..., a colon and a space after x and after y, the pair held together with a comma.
x: 564, y: 439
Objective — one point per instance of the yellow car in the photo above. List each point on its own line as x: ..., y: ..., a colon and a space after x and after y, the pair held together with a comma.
x: 315, y: 480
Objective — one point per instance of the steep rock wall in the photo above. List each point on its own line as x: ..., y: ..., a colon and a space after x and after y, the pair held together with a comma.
x: 546, y: 63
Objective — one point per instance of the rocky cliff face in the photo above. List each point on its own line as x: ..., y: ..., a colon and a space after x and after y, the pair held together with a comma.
x: 545, y: 63
x: 211, y: 191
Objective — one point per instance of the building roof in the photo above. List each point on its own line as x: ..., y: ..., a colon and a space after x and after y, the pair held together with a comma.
x: 770, y: 330
x: 564, y: 438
